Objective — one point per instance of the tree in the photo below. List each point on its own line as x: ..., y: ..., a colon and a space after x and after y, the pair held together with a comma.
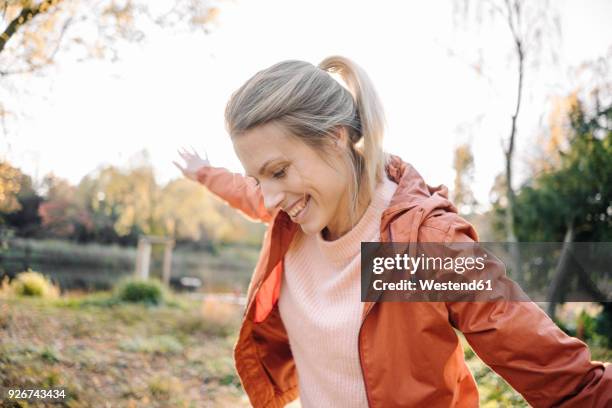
x: 25, y: 221
x: 573, y: 201
x: 18, y: 203
x: 530, y: 25
x: 463, y: 163
x: 191, y: 212
x: 9, y: 188
x: 551, y: 142
x: 33, y: 33
x: 35, y: 30
x: 126, y: 199
x: 61, y: 215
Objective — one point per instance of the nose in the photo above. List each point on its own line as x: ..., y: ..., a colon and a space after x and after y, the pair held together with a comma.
x: 272, y: 197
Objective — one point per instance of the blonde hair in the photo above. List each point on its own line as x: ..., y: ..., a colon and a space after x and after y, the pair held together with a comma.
x: 310, y: 104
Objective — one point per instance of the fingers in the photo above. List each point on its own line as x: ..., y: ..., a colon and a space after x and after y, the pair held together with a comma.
x: 179, y: 166
x: 184, y: 154
x: 187, y: 155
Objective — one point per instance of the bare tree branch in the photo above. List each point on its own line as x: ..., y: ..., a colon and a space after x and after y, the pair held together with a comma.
x: 26, y: 14
x: 36, y: 67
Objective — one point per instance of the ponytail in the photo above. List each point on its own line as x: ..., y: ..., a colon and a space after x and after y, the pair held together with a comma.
x: 370, y: 114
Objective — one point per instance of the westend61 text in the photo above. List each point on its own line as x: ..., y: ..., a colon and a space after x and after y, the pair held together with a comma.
x: 430, y: 284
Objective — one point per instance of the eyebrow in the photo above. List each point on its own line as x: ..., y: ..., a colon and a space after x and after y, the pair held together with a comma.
x: 262, y: 169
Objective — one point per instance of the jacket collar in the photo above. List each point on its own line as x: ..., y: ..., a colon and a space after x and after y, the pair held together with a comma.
x: 413, y: 196
x: 413, y: 202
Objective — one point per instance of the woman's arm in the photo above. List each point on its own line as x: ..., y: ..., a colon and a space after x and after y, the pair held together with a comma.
x: 523, y: 345
x: 230, y: 187
x: 236, y: 191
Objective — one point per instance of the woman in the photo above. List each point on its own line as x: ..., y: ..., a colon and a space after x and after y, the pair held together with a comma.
x: 316, y: 174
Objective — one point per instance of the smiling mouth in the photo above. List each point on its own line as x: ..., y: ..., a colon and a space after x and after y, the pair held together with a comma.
x: 297, y: 209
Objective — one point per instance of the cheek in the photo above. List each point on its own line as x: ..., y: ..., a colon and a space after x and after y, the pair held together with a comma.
x: 325, y: 187
x: 327, y: 195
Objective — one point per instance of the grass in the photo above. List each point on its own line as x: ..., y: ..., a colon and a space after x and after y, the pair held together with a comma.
x: 122, y: 354
x: 176, y: 354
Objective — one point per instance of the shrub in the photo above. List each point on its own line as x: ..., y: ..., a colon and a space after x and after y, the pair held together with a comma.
x: 136, y: 290
x: 603, y: 325
x: 585, y: 326
x: 35, y: 284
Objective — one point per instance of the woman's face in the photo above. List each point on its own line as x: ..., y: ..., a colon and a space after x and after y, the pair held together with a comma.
x: 294, y: 178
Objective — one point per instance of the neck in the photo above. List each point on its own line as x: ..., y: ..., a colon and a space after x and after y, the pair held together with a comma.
x: 341, y: 224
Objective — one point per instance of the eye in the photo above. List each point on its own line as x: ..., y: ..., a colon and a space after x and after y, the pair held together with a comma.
x: 277, y: 175
x: 280, y: 174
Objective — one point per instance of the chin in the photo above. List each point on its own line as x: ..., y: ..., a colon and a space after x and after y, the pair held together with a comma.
x: 310, y: 228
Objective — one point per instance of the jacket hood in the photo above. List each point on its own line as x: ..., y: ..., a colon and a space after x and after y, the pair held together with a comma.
x: 414, y: 198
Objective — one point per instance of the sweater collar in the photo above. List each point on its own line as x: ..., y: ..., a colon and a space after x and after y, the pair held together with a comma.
x: 348, y: 245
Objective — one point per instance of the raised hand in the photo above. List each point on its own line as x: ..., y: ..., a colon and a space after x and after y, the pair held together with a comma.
x: 193, y: 162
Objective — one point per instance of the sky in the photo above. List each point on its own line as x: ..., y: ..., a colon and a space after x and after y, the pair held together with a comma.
x: 169, y: 91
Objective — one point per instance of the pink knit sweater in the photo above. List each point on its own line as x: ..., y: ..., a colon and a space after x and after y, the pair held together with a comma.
x: 321, y: 308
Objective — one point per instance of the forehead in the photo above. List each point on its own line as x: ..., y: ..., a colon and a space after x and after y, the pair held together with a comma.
x: 264, y: 143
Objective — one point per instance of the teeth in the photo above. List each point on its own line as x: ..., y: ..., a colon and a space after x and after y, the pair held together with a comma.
x: 297, y: 210
x: 299, y: 207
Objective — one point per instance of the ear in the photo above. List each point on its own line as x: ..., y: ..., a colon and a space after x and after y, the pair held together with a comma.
x: 341, y: 137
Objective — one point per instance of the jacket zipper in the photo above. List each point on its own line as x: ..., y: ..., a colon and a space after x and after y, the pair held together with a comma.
x: 359, y: 341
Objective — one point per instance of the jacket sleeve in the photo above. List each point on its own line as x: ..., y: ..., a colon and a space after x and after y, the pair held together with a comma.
x: 234, y: 189
x: 523, y: 345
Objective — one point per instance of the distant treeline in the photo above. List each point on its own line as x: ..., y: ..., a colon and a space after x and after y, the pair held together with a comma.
x: 115, y: 206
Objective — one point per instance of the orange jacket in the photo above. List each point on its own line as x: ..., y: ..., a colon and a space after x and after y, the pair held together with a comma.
x: 410, y: 355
